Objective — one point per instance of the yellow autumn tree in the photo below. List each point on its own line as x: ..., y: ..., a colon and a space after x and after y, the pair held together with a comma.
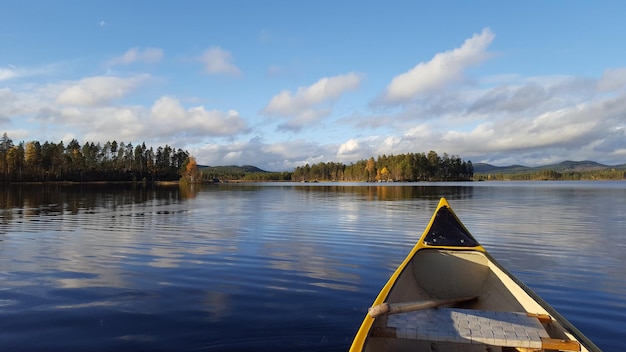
x: 370, y: 167
x: 190, y: 173
x: 384, y: 173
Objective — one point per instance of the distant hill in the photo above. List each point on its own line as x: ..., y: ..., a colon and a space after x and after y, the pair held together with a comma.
x: 479, y: 168
x: 229, y: 169
x: 483, y: 168
x: 565, y: 166
x: 568, y: 166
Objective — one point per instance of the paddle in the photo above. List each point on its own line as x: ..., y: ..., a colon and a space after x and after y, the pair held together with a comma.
x: 394, y: 308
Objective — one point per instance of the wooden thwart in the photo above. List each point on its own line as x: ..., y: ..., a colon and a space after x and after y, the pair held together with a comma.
x: 543, y: 318
x: 560, y: 345
x: 395, y: 308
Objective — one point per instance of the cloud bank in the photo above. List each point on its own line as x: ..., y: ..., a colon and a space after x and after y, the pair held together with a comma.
x: 442, y: 71
x: 310, y: 104
x: 94, y: 91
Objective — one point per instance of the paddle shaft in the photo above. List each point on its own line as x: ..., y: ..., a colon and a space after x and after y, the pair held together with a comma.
x: 395, y: 308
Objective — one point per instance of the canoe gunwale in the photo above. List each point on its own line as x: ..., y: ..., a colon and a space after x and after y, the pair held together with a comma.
x: 567, y: 326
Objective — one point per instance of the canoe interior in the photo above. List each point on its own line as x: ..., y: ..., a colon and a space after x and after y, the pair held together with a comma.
x: 450, y: 273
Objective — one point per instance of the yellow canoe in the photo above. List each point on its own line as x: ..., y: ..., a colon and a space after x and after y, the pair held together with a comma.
x: 449, y: 294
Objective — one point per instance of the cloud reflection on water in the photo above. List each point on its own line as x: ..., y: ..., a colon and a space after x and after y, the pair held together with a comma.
x: 237, y: 253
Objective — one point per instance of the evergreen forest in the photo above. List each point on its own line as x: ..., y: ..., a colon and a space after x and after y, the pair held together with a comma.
x: 411, y: 167
x: 112, y: 161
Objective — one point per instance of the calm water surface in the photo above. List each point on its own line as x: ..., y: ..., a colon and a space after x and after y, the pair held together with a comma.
x: 280, y: 267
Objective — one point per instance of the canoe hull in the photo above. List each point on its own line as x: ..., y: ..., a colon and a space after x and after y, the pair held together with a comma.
x: 447, y: 263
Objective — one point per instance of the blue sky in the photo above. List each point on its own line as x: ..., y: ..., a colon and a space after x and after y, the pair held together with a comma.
x: 279, y: 84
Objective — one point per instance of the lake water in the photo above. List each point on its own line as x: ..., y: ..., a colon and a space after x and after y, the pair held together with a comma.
x: 281, y: 266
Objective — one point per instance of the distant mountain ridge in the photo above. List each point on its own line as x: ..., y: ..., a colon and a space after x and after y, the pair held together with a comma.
x: 479, y: 168
x: 230, y: 169
x: 565, y: 166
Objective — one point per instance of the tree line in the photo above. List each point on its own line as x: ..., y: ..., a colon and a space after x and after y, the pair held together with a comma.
x: 552, y: 175
x: 409, y: 167
x: 112, y: 161
x: 225, y: 175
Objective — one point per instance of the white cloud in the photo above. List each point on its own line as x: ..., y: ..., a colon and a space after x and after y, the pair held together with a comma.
x: 219, y: 61
x: 167, y: 109
x: 215, y: 122
x: 348, y: 147
x: 165, y: 122
x: 7, y: 73
x: 538, y: 121
x: 360, y: 148
x: 443, y: 69
x: 532, y: 96
x: 12, y: 72
x: 422, y: 131
x: 103, y: 124
x: 613, y: 79
x: 98, y: 90
x: 168, y: 116
x: 278, y: 156
x: 553, y: 135
x: 149, y: 55
x: 327, y: 88
x: 7, y: 102
x: 309, y: 104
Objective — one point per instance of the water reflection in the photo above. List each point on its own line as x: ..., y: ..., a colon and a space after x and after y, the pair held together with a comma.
x: 198, y: 268
x: 391, y: 192
x: 32, y: 200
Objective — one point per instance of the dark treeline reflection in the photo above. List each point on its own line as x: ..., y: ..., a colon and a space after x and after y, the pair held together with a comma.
x: 392, y: 192
x: 18, y: 200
